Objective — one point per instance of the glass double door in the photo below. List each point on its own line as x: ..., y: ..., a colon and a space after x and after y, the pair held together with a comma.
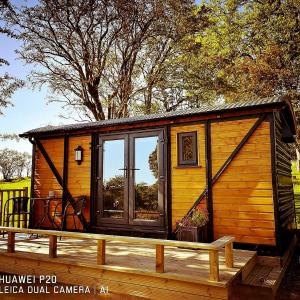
x: 131, y: 179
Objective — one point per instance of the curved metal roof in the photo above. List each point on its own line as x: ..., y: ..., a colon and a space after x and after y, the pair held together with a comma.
x: 205, y: 109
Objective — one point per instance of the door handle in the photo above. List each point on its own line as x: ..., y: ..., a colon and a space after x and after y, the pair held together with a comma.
x: 126, y: 171
x: 134, y: 169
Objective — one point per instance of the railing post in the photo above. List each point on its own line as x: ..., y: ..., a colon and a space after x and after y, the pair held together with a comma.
x: 160, y: 257
x: 229, y: 255
x: 214, y: 265
x: 25, y: 194
x: 11, y: 242
x: 1, y: 206
x: 52, y: 246
x: 101, y: 252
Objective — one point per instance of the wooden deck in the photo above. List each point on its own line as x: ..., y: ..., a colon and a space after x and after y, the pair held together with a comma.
x: 130, y: 269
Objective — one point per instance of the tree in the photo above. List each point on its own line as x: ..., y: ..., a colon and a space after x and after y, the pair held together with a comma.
x: 251, y: 50
x: 27, y: 164
x: 8, y: 163
x: 14, y: 163
x: 153, y: 163
x: 8, y: 84
x: 105, y: 58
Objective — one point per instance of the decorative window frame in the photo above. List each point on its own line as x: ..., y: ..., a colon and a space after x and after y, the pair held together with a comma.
x: 194, y: 161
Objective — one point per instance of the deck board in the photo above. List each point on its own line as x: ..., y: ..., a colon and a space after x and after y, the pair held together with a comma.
x: 129, y: 267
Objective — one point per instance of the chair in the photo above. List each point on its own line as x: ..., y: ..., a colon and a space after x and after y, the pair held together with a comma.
x: 70, y: 211
x: 16, y: 207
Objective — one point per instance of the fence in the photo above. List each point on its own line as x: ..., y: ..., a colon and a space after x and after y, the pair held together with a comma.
x: 297, y: 207
x: 8, y: 194
x: 213, y: 248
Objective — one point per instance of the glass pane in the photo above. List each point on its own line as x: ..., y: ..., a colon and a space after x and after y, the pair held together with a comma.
x: 146, y: 178
x: 187, y: 148
x: 113, y: 179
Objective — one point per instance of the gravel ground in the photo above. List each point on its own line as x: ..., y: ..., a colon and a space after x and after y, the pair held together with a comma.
x: 290, y: 286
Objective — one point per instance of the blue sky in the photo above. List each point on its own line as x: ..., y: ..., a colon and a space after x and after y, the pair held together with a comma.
x: 30, y: 108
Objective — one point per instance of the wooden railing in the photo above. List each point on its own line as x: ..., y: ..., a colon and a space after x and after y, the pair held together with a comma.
x: 6, y: 194
x: 213, y: 248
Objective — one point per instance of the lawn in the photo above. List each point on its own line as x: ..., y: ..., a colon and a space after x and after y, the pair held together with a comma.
x: 17, y: 184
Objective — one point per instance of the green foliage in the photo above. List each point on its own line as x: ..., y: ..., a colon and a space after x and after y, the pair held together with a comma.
x: 250, y: 50
x: 153, y: 163
x: 199, y: 218
x: 16, y: 184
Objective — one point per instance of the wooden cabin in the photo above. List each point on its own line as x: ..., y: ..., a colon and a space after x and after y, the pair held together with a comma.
x: 142, y: 174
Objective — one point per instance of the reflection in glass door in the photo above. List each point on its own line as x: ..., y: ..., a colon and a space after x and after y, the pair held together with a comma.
x: 145, y: 178
x: 113, y: 179
x: 131, y: 179
x: 113, y: 174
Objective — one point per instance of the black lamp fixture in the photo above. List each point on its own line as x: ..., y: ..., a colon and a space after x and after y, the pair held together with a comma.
x: 78, y: 154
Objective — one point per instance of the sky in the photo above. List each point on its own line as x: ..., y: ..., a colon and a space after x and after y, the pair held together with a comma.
x: 30, y: 109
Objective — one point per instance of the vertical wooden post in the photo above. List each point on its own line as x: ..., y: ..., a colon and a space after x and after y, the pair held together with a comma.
x: 160, y: 257
x: 1, y: 206
x: 25, y: 191
x: 101, y: 252
x: 214, y: 265
x: 11, y: 242
x: 229, y: 255
x: 52, y: 246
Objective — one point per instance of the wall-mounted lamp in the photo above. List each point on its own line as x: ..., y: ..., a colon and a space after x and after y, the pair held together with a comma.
x: 78, y: 154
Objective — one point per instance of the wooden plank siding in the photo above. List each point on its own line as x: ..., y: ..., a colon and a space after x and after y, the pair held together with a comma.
x: 44, y: 179
x: 188, y: 182
x: 78, y: 175
x: 243, y: 196
x: 284, y: 183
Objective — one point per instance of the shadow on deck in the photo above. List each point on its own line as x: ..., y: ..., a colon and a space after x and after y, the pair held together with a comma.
x: 130, y: 269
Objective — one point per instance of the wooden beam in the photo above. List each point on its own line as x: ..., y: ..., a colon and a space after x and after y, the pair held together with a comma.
x: 229, y: 255
x: 238, y: 148
x: 52, y: 246
x: 60, y: 181
x: 216, y: 245
x: 11, y: 242
x: 160, y: 258
x: 101, y: 252
x: 214, y: 265
x: 65, y: 179
x: 209, y: 197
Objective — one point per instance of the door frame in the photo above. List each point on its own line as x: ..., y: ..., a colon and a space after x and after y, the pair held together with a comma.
x: 160, y: 134
x: 96, y: 176
x: 99, y: 204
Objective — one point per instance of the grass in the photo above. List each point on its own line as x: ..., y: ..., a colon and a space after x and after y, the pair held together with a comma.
x: 16, y: 184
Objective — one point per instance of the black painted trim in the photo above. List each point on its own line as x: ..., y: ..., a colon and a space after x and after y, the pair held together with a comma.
x: 275, y: 183
x: 209, y: 198
x: 169, y: 183
x: 65, y: 175
x: 93, y: 181
x: 33, y: 162
x: 187, y: 163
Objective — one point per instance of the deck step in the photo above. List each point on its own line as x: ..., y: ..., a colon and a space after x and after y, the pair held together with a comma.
x: 259, y: 276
